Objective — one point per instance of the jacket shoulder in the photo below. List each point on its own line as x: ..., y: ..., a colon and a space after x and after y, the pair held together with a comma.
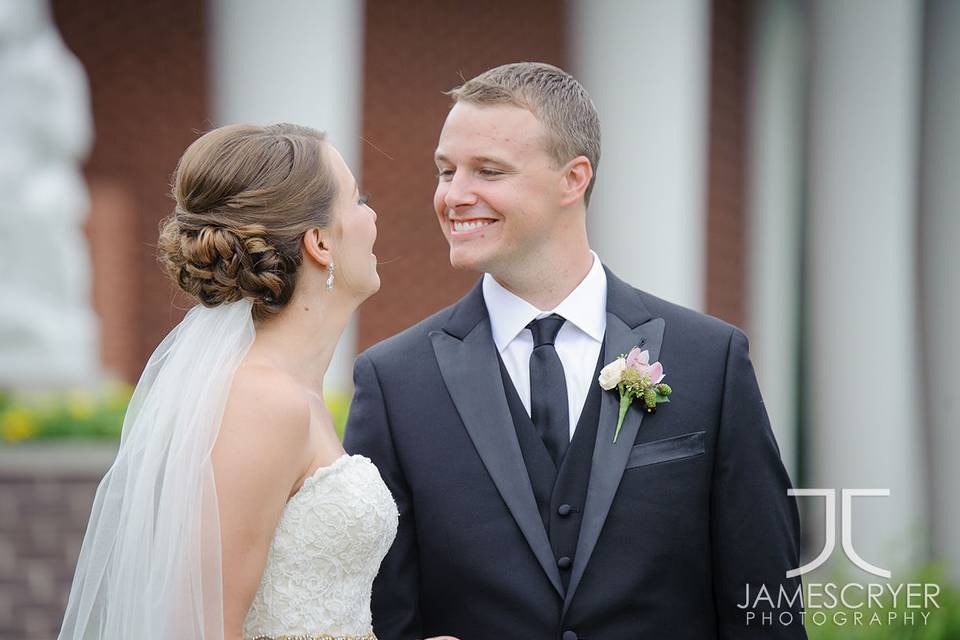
x: 688, y: 321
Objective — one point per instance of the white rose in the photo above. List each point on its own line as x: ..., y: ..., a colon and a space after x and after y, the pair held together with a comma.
x: 611, y: 374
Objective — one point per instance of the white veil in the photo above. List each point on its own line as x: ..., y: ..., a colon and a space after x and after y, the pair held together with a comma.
x: 149, y: 566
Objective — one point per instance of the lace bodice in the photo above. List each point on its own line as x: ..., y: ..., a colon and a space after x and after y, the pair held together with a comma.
x: 326, y: 551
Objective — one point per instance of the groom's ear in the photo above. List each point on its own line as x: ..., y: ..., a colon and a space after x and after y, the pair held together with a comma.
x: 574, y: 180
x: 316, y: 247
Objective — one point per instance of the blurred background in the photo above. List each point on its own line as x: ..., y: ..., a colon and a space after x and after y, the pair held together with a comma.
x: 789, y: 166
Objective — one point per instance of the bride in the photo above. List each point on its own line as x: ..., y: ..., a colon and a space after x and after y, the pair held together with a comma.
x: 232, y: 510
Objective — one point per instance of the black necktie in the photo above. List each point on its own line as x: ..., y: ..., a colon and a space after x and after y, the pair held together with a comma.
x: 548, y: 387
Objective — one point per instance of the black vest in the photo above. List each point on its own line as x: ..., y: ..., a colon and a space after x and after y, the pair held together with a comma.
x: 560, y: 493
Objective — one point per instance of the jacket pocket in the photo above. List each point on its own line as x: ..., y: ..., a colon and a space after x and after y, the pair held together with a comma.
x: 676, y: 448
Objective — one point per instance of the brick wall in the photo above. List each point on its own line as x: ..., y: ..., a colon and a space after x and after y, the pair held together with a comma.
x: 415, y: 50
x: 46, y: 492
x: 727, y: 169
x: 147, y: 68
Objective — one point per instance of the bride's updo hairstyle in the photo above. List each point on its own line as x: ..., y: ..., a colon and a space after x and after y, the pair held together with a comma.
x: 245, y: 195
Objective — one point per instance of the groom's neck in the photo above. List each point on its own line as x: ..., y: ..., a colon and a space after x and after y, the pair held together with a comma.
x: 545, y: 285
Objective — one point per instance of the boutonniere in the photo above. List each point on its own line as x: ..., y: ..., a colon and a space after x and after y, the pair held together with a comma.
x: 634, y: 377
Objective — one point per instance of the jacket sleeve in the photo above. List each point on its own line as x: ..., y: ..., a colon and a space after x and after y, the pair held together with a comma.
x: 755, y: 525
x: 395, y: 603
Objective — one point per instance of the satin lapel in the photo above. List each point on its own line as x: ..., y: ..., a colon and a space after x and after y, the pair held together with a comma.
x: 609, y: 459
x: 472, y: 375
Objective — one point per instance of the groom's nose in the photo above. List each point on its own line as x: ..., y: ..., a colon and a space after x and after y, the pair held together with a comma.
x: 459, y: 191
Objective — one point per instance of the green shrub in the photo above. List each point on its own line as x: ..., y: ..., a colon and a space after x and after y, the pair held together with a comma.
x: 943, y: 623
x: 92, y: 415
x: 80, y: 414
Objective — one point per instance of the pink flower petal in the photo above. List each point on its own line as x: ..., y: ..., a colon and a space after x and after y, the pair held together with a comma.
x: 638, y: 360
x: 655, y: 371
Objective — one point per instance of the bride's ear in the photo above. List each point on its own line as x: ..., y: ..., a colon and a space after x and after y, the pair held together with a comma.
x: 316, y: 248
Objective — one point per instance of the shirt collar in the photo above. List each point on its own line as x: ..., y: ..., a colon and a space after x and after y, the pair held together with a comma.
x: 585, y: 307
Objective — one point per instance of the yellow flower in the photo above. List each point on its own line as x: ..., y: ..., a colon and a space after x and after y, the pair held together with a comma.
x: 118, y: 395
x: 339, y: 405
x: 80, y: 405
x: 17, y: 425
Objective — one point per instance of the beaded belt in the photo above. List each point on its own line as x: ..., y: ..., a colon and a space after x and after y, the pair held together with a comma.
x: 320, y: 637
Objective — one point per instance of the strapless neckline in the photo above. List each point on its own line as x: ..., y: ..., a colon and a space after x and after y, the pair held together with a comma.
x: 326, y: 550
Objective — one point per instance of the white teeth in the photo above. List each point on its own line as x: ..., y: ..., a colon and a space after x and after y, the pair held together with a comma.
x: 469, y: 226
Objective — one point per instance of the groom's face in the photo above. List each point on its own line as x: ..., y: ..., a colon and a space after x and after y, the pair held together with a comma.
x: 497, y: 187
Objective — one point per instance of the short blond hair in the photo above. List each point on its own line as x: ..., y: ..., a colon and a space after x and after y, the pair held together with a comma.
x: 553, y: 96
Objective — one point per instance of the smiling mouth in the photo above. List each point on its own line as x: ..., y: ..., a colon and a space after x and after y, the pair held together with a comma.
x: 461, y: 227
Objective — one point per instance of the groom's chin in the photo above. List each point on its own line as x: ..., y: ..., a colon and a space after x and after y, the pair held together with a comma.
x: 466, y: 260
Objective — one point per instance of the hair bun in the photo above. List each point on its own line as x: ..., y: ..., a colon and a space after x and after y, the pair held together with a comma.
x: 217, y: 264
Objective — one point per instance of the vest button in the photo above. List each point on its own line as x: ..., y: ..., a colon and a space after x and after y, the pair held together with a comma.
x: 564, y: 562
x: 564, y: 510
x: 569, y: 635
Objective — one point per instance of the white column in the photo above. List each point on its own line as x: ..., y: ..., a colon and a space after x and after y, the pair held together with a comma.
x: 48, y: 330
x: 302, y: 62
x: 775, y: 157
x: 645, y: 63
x: 863, y: 361
x: 940, y: 263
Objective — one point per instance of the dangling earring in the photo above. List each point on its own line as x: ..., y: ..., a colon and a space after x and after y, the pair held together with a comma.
x: 330, y: 277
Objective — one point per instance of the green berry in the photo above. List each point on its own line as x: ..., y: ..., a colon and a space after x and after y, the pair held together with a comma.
x: 650, y: 397
x: 664, y: 389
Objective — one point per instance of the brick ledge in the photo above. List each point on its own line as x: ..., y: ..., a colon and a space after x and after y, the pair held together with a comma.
x: 56, y: 458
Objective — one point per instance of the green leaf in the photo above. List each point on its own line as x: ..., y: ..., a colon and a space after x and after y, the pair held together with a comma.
x: 625, y: 399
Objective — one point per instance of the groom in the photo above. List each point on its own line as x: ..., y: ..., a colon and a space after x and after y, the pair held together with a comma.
x: 520, y: 516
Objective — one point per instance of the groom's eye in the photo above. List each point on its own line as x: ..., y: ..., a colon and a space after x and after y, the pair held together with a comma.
x: 444, y: 173
x: 490, y: 173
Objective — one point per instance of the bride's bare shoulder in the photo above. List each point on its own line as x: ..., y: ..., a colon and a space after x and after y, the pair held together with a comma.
x: 268, y: 401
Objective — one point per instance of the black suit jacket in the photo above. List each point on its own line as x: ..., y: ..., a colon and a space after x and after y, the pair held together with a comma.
x: 682, y: 512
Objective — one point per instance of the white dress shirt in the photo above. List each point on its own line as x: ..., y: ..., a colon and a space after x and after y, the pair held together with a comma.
x: 578, y: 343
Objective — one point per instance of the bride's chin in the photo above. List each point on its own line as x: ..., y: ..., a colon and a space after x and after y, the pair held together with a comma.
x: 373, y: 286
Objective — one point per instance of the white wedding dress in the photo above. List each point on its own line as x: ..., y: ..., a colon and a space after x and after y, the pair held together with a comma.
x: 326, y: 551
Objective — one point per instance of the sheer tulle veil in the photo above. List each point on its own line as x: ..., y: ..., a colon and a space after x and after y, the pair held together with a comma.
x: 149, y: 566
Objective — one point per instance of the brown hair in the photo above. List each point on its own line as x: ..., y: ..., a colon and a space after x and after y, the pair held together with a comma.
x: 553, y: 96
x: 245, y: 195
